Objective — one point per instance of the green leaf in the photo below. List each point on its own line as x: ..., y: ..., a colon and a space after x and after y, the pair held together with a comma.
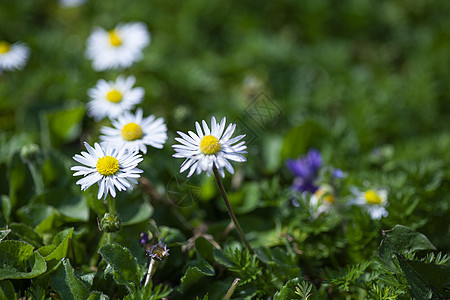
x: 65, y: 123
x: 96, y: 295
x: 58, y: 248
x: 18, y: 261
x: 125, y: 266
x: 401, y: 239
x: 40, y: 216
x: 245, y: 200
x: 26, y: 234
x: 5, y: 207
x: 299, y: 139
x: 426, y: 279
x: 67, y: 284
x: 133, y: 209
x: 21, y: 186
x: 7, y: 290
x: 194, y: 272
x: 297, y: 288
x: 204, y: 249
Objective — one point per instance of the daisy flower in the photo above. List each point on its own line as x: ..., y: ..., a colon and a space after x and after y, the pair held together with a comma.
x: 111, y: 99
x: 321, y: 201
x: 117, y: 48
x: 110, y: 167
x: 374, y: 201
x: 135, y: 133
x: 71, y: 3
x: 13, y: 56
x: 207, y: 148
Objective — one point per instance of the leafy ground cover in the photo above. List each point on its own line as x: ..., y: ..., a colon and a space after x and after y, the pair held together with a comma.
x: 345, y: 190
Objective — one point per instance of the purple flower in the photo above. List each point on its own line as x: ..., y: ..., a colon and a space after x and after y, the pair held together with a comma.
x: 143, y: 239
x: 305, y: 170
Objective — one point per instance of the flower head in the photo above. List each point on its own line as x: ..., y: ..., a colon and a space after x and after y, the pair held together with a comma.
x: 158, y: 251
x: 373, y: 200
x: 209, y: 147
x: 110, y: 167
x: 119, y: 47
x: 321, y: 201
x: 112, y: 99
x: 305, y: 170
x: 13, y: 56
x: 135, y: 133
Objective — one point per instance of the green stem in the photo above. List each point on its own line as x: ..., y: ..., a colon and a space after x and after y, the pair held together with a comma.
x: 231, y: 289
x: 230, y: 210
x: 37, y: 179
x: 111, y: 207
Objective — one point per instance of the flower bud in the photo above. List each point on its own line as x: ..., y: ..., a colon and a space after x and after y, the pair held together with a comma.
x: 29, y: 152
x: 110, y: 223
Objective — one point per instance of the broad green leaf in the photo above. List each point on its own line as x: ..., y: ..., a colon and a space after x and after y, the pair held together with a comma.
x: 96, y: 295
x: 194, y: 272
x: 25, y: 233
x: 299, y: 139
x: 18, y: 261
x: 426, y: 279
x: 245, y: 200
x: 399, y: 240
x: 55, y: 171
x: 65, y: 124
x: 40, y: 216
x: 72, y: 207
x: 133, y: 209
x: 67, y: 284
x: 204, y: 249
x: 58, y: 248
x: 7, y: 290
x: 5, y: 208
x: 125, y: 266
x: 220, y: 257
x: 21, y: 185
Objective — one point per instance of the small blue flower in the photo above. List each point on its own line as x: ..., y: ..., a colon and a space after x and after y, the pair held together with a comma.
x: 305, y: 170
x: 143, y: 239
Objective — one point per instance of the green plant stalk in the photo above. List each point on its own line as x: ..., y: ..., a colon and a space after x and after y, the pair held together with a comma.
x: 230, y: 210
x: 151, y: 269
x: 112, y: 210
x: 231, y: 289
x: 37, y: 179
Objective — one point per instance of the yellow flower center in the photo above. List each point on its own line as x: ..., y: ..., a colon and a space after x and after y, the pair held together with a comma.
x: 114, y: 38
x: 114, y: 96
x: 4, y: 47
x: 210, y: 145
x: 372, y: 197
x: 131, y: 132
x: 329, y: 199
x: 107, y: 165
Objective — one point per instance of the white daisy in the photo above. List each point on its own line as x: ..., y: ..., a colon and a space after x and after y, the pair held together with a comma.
x: 110, y: 167
x: 13, y: 56
x: 71, y: 3
x: 374, y: 201
x: 111, y: 99
x: 322, y: 201
x: 210, y: 147
x: 135, y: 133
x: 119, y: 47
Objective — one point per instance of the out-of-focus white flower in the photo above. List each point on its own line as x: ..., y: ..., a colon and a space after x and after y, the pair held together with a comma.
x: 71, y: 3
x: 118, y: 48
x: 374, y: 201
x: 110, y: 167
x: 322, y: 201
x: 112, y: 99
x: 13, y: 56
x: 135, y: 133
x: 207, y: 148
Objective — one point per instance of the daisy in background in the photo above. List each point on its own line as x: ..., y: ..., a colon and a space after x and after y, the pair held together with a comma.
x: 119, y: 47
x: 109, y: 167
x: 71, y: 3
x: 13, y: 56
x: 210, y: 147
x: 134, y: 132
x: 373, y: 200
x: 110, y: 99
x: 322, y: 201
